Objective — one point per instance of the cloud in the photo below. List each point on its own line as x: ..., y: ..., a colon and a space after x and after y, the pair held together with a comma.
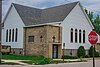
x: 89, y: 4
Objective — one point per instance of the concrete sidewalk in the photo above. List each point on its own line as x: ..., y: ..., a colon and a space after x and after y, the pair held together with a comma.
x: 16, y: 61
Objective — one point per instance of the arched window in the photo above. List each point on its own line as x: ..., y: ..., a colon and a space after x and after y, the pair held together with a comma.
x: 79, y: 36
x: 13, y: 35
x: 53, y: 38
x: 6, y: 35
x: 83, y: 36
x: 75, y: 35
x: 41, y: 38
x: 16, y: 35
x: 10, y: 35
x: 71, y: 35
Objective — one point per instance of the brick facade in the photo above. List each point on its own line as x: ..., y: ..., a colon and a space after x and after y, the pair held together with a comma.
x: 45, y: 47
x: 72, y: 52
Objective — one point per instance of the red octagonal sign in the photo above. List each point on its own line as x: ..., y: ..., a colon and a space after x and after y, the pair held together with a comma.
x: 93, y: 37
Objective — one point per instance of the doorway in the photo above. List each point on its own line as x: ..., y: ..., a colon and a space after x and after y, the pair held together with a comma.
x: 55, y: 51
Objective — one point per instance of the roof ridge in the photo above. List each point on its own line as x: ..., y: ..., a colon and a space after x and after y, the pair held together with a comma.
x: 25, y: 6
x: 33, y: 16
x: 61, y: 5
x: 44, y: 8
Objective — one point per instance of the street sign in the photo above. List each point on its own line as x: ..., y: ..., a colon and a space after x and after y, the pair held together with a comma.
x: 93, y: 37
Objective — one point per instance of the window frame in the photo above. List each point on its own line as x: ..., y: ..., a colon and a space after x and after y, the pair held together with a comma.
x: 75, y: 35
x: 13, y: 35
x: 7, y: 35
x: 16, y: 35
x: 31, y: 40
x: 10, y: 35
x: 83, y: 36
x: 80, y: 37
x: 71, y: 35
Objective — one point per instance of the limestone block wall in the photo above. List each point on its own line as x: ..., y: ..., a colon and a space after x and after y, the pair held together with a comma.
x: 44, y: 47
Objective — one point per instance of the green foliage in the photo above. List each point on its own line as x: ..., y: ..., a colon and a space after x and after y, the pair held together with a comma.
x: 43, y: 61
x: 90, y: 51
x: 95, y: 21
x: 86, y: 56
x: 57, y: 61
x: 81, y: 51
x: 9, y: 63
x: 96, y: 54
x: 30, y: 59
x: 69, y: 57
x: 96, y: 24
x: 16, y: 57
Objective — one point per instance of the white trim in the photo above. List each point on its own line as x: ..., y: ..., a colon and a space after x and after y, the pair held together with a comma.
x: 86, y: 15
x: 7, y: 14
x: 45, y: 24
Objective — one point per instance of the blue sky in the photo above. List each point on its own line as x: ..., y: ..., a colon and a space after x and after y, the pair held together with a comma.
x: 92, y: 5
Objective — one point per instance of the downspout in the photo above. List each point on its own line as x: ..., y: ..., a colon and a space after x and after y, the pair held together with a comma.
x: 59, y: 33
x: 24, y: 42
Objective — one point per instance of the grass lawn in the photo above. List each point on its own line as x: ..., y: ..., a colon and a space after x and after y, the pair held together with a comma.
x: 15, y: 57
x: 8, y: 63
x: 31, y: 59
x: 38, y: 60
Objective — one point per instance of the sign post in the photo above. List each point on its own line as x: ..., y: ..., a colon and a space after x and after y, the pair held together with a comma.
x: 93, y: 38
x: 63, y: 50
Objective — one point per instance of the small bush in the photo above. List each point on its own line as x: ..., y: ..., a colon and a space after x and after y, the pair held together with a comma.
x: 86, y: 56
x: 69, y: 57
x: 91, y: 51
x: 81, y: 52
x: 96, y: 54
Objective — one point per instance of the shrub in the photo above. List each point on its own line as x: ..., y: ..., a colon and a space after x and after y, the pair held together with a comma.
x: 91, y: 51
x: 81, y: 52
x: 86, y: 56
x: 96, y: 54
x: 69, y: 57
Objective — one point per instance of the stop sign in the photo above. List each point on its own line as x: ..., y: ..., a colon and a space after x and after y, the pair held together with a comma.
x: 93, y: 37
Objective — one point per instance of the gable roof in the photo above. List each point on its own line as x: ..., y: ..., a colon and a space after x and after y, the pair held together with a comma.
x: 33, y: 16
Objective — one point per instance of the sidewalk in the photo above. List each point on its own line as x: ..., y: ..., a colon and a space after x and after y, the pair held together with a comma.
x: 16, y: 61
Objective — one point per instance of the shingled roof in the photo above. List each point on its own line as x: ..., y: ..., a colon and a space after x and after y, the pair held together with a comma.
x: 33, y: 16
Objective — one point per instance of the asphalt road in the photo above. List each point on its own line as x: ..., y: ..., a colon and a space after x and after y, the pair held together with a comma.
x: 75, y: 64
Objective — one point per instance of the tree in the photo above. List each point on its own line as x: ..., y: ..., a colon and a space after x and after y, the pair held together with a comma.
x: 95, y: 21
x: 81, y: 51
x: 97, y: 24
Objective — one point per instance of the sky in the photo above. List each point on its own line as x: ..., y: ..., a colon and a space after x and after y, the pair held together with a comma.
x: 92, y: 5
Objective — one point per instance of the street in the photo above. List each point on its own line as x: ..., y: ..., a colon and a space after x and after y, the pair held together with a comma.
x: 75, y: 64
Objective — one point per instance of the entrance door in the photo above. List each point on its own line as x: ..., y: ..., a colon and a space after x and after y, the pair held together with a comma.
x: 55, y: 51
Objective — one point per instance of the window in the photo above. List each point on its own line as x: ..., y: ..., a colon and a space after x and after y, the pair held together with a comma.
x: 31, y: 39
x: 41, y: 38
x: 13, y: 35
x: 53, y: 38
x: 83, y: 36
x: 75, y: 35
x: 6, y: 35
x: 16, y: 35
x: 10, y: 35
x: 71, y: 35
x: 79, y: 36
